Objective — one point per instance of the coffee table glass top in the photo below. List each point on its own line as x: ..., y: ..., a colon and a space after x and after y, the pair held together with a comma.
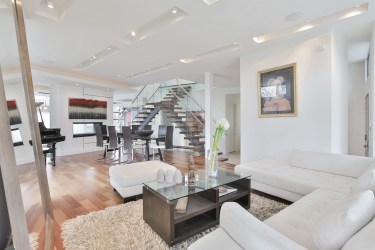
x: 172, y: 191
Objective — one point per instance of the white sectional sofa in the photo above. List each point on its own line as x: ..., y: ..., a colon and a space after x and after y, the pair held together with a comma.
x: 335, y: 206
x: 315, y: 223
x: 298, y: 173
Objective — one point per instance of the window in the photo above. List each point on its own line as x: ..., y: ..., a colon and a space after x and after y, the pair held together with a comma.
x: 16, y: 137
x: 42, y: 102
x: 84, y: 129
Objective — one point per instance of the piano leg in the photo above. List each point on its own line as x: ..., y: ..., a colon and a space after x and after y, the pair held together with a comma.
x: 53, y: 153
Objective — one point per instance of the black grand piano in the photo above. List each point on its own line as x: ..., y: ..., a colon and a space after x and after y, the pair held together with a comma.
x: 49, y: 136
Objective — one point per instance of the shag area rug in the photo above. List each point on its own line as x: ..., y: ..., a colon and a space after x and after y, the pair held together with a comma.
x: 33, y: 238
x: 123, y: 227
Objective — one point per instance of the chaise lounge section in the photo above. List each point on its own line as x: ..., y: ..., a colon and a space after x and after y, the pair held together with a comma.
x: 340, y: 215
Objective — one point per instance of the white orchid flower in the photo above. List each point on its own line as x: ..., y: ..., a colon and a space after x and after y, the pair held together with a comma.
x: 222, y: 123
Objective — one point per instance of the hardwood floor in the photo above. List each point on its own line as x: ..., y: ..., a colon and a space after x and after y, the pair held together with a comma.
x: 79, y: 184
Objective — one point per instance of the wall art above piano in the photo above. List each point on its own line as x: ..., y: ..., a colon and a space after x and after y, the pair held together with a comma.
x: 14, y: 113
x: 87, y: 109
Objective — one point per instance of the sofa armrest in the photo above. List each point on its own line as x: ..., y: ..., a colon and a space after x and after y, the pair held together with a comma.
x: 249, y: 232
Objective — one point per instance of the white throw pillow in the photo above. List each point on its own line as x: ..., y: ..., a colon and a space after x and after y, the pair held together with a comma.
x: 363, y: 240
x: 343, y: 219
x: 365, y: 182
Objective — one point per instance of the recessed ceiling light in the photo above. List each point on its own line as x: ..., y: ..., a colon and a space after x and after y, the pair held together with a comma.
x: 167, y: 18
x: 209, y: 2
x: 118, y: 75
x: 314, y: 23
x: 294, y: 16
x: 50, y: 4
x: 98, y: 57
x: 108, y: 89
x: 210, y: 53
x: 44, y: 8
x: 77, y: 84
x: 152, y: 70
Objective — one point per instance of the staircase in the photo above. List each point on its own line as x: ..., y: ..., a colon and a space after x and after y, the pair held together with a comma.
x: 189, y: 123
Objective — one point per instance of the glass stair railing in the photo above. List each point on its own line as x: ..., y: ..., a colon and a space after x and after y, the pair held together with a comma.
x: 173, y: 100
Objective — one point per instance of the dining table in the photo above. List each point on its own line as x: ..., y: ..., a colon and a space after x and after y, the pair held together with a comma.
x: 146, y: 139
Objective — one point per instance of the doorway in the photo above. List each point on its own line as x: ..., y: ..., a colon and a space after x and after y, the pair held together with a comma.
x: 367, y: 126
x: 233, y: 134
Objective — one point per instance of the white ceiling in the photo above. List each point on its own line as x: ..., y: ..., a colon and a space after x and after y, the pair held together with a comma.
x: 89, y: 26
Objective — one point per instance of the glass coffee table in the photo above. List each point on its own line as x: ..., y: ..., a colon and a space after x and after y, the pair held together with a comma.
x: 203, y: 206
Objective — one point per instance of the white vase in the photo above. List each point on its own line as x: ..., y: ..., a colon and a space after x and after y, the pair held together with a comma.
x: 169, y: 176
x: 160, y: 176
x: 213, y: 163
x: 178, y: 177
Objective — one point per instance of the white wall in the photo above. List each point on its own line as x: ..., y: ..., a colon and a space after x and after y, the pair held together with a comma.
x: 371, y: 83
x: 219, y: 110
x: 339, y: 85
x: 356, y: 119
x: 311, y: 129
x: 231, y: 99
x: 59, y: 118
x: 59, y: 96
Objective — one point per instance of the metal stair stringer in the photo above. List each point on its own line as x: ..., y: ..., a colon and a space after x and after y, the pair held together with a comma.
x: 149, y: 117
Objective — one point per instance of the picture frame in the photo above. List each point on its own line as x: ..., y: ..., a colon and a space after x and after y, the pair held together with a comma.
x: 80, y: 108
x: 13, y: 112
x: 277, y: 91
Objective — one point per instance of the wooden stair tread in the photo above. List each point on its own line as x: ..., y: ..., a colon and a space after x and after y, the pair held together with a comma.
x: 187, y: 126
x: 197, y: 143
x: 191, y: 131
x: 194, y: 137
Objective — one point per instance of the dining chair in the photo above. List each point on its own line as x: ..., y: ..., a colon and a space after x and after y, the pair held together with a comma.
x: 113, y: 142
x: 100, y: 142
x: 147, y: 127
x: 104, y: 130
x: 168, y: 139
x: 128, y: 144
x: 134, y: 128
x: 162, y: 132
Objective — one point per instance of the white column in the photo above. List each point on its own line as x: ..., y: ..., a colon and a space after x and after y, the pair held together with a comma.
x: 208, y: 100
x: 371, y: 79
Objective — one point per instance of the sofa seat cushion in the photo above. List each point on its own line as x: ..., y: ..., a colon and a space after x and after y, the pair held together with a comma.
x: 298, y: 180
x: 218, y: 238
x: 298, y: 220
x: 346, y: 165
x: 127, y: 175
x: 343, y: 219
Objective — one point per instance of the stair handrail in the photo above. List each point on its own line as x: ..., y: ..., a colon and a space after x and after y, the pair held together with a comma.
x: 187, y: 108
x: 138, y: 95
x: 121, y: 115
x: 189, y: 95
x: 147, y: 99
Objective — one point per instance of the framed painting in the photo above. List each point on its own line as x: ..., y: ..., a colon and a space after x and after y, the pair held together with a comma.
x: 277, y: 91
x: 87, y: 109
x: 14, y: 113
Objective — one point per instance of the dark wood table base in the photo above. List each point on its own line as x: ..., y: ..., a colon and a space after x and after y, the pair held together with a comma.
x: 203, y: 211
